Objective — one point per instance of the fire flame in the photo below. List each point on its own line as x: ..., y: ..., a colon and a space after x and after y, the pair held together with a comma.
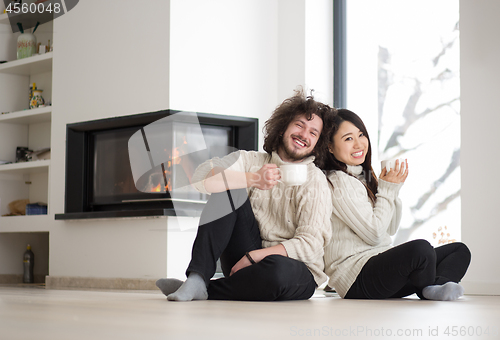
x: 176, y: 153
x: 157, y: 188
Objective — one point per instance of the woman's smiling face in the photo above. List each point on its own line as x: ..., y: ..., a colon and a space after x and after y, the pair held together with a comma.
x: 349, y: 145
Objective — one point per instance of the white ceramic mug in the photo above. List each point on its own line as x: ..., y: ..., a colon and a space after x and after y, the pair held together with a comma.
x: 391, y: 163
x: 293, y: 174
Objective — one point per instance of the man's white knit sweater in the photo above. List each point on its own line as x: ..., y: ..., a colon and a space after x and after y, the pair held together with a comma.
x: 298, y: 217
x: 360, y: 229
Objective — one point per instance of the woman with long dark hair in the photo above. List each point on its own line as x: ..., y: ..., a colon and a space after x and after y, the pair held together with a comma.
x: 360, y: 261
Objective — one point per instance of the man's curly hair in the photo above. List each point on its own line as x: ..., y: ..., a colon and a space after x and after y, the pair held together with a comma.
x: 285, y: 113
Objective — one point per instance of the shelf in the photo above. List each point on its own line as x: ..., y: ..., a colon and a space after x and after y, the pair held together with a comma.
x: 27, y: 19
x: 28, y: 66
x: 25, y: 167
x: 38, y: 115
x: 4, y: 18
x: 25, y: 224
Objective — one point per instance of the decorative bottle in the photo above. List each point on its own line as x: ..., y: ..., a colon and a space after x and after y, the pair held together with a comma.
x: 26, y: 45
x: 29, y: 263
x: 37, y: 99
x: 32, y: 87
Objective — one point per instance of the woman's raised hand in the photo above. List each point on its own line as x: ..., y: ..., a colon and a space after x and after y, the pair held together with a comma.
x: 266, y: 177
x: 396, y: 175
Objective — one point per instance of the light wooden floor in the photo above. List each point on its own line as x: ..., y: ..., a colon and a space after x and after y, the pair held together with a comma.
x: 39, y: 313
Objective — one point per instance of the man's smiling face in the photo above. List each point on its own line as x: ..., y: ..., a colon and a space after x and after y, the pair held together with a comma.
x: 300, y: 138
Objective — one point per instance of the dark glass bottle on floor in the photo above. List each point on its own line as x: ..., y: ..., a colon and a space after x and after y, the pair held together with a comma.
x: 29, y: 263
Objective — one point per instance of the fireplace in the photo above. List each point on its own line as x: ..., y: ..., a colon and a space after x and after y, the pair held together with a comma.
x: 141, y: 165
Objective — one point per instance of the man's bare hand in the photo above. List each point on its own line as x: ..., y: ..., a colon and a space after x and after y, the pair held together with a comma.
x: 242, y: 263
x: 266, y: 177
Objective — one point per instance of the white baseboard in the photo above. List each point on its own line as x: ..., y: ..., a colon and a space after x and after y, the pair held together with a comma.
x: 18, y: 278
x: 99, y: 283
x: 481, y: 288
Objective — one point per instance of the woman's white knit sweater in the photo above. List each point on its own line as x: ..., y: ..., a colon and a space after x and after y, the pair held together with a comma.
x: 298, y: 217
x: 360, y: 229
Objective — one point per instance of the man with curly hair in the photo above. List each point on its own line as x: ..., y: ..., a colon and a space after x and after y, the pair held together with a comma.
x: 269, y: 236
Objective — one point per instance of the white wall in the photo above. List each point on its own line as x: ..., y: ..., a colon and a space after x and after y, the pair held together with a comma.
x: 305, y: 47
x: 319, y: 49
x: 223, y: 57
x: 244, y: 57
x: 480, y: 85
x: 110, y: 59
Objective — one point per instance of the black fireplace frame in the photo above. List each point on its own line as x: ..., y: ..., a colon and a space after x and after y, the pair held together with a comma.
x: 78, y: 150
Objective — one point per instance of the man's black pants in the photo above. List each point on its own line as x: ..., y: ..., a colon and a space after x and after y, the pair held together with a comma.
x: 229, y: 237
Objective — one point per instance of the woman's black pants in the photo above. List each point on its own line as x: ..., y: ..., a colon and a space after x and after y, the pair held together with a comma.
x: 229, y: 237
x: 408, y: 268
